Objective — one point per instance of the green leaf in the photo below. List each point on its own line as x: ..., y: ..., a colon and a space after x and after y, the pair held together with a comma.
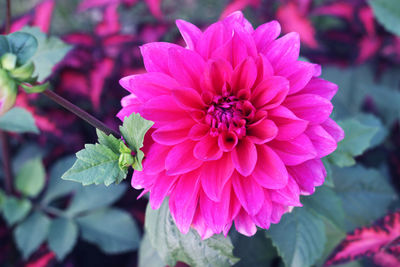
x: 173, y: 246
x: 23, y: 45
x: 4, y: 45
x: 93, y: 197
x: 2, y: 199
x: 109, y: 141
x: 62, y: 238
x: 256, y: 250
x: 15, y: 210
x: 372, y: 121
x: 96, y: 164
x: 31, y: 233
x: 357, y: 139
x: 387, y: 12
x: 31, y: 178
x: 51, y: 50
x: 325, y: 202
x: 299, y: 237
x: 328, y: 179
x: 112, y: 230
x: 133, y: 130
x: 18, y: 120
x: 365, y: 193
x: 57, y: 187
x: 148, y: 256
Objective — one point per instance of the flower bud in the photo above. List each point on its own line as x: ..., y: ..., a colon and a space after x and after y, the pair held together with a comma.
x: 8, y: 61
x: 24, y: 72
x: 8, y: 92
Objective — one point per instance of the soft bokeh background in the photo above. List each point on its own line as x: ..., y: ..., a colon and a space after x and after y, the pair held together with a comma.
x: 343, y: 36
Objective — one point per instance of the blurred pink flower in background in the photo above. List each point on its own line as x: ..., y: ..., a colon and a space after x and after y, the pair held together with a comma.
x: 241, y: 125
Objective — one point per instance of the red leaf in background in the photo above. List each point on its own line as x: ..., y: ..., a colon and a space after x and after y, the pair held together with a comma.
x: 88, y: 4
x: 43, y: 14
x: 155, y: 8
x: 368, y: 46
x: 43, y: 261
x: 98, y: 76
x: 73, y: 81
x: 339, y: 9
x: 293, y: 21
x: 110, y: 23
x: 385, y: 259
x: 237, y: 5
x: 367, y: 19
x: 368, y: 241
x: 20, y: 23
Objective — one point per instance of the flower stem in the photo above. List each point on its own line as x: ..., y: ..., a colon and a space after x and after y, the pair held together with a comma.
x: 8, y: 178
x: 80, y: 113
x: 8, y: 16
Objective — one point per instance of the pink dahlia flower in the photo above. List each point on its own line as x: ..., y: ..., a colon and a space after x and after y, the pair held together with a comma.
x: 240, y: 126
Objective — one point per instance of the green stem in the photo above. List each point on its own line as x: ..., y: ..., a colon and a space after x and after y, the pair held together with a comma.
x: 8, y: 16
x: 80, y: 112
x: 8, y: 178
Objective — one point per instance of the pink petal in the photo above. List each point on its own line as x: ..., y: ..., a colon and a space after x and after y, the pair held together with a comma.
x: 333, y: 129
x: 142, y: 180
x: 161, y: 189
x: 289, y: 195
x: 155, y: 8
x: 213, y: 38
x: 216, y: 73
x: 263, y: 217
x: 289, y: 126
x: 264, y: 68
x: 270, y: 172
x: 183, y: 201
x: 198, y: 131
x: 312, y: 108
x: 262, y: 132
x: 244, y: 224
x: 266, y: 33
x: 227, y: 141
x: 216, y: 213
x: 320, y: 87
x: 284, y: 51
x: 214, y: 176
x: 180, y: 159
x: 155, y: 56
x: 277, y: 211
x: 131, y: 104
x: 309, y: 174
x: 324, y: 143
x: 188, y: 98
x: 155, y: 159
x: 174, y: 133
x: 244, y: 157
x: 249, y: 193
x: 186, y: 66
x: 207, y: 149
x: 270, y: 93
x: 190, y: 33
x: 237, y: 19
x: 244, y: 75
x: 200, y: 225
x: 299, y: 74
x: 148, y: 85
x: 295, y: 151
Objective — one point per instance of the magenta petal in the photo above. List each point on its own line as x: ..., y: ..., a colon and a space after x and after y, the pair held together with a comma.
x: 244, y: 75
x: 323, y: 142
x: 283, y: 51
x: 299, y: 74
x: 295, y: 151
x: 174, y: 133
x: 249, y: 193
x: 207, y: 149
x: 277, y: 211
x: 309, y: 174
x: 180, y: 159
x: 320, y: 87
x: 244, y: 157
x: 266, y: 33
x: 270, y: 93
x: 198, y: 131
x: 155, y: 159
x: 244, y: 224
x: 289, y: 195
x: 270, y: 172
x: 155, y: 56
x: 142, y: 180
x: 216, y: 73
x: 200, y: 225
x: 312, y: 108
x: 214, y: 175
x: 213, y: 38
x: 333, y: 129
x: 188, y: 98
x: 263, y: 217
x: 184, y: 199
x: 289, y: 126
x: 216, y: 213
x: 185, y: 66
x: 190, y: 33
x: 160, y: 189
x: 262, y: 132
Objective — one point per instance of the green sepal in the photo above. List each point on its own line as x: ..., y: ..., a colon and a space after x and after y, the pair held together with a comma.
x: 35, y: 88
x: 125, y: 158
x: 23, y: 72
x: 8, y: 61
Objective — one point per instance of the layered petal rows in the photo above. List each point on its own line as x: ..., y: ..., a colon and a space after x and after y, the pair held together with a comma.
x: 240, y: 126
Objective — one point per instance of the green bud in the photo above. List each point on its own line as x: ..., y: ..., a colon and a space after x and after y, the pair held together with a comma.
x: 24, y: 72
x: 124, y: 149
x: 8, y: 92
x: 125, y: 161
x: 8, y: 61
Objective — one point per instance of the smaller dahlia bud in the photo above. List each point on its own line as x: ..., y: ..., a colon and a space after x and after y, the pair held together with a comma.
x: 8, y: 61
x: 125, y: 159
x: 8, y: 92
x: 23, y: 72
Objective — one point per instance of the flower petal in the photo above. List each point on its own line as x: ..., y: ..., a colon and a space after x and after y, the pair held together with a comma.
x: 155, y: 159
x: 283, y: 51
x: 244, y: 224
x: 289, y: 195
x: 160, y: 189
x: 249, y: 193
x: 262, y: 132
x: 309, y: 174
x: 188, y: 98
x: 190, y: 33
x: 322, y: 141
x: 174, y: 133
x: 270, y: 93
x: 266, y: 33
x: 333, y: 129
x: 155, y: 56
x: 289, y: 126
x: 180, y: 159
x: 270, y: 172
x: 263, y: 217
x: 207, y: 149
x: 320, y: 87
x: 244, y: 157
x: 244, y: 75
x: 299, y: 74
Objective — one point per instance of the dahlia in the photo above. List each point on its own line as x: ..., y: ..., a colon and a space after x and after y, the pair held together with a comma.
x: 240, y: 126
